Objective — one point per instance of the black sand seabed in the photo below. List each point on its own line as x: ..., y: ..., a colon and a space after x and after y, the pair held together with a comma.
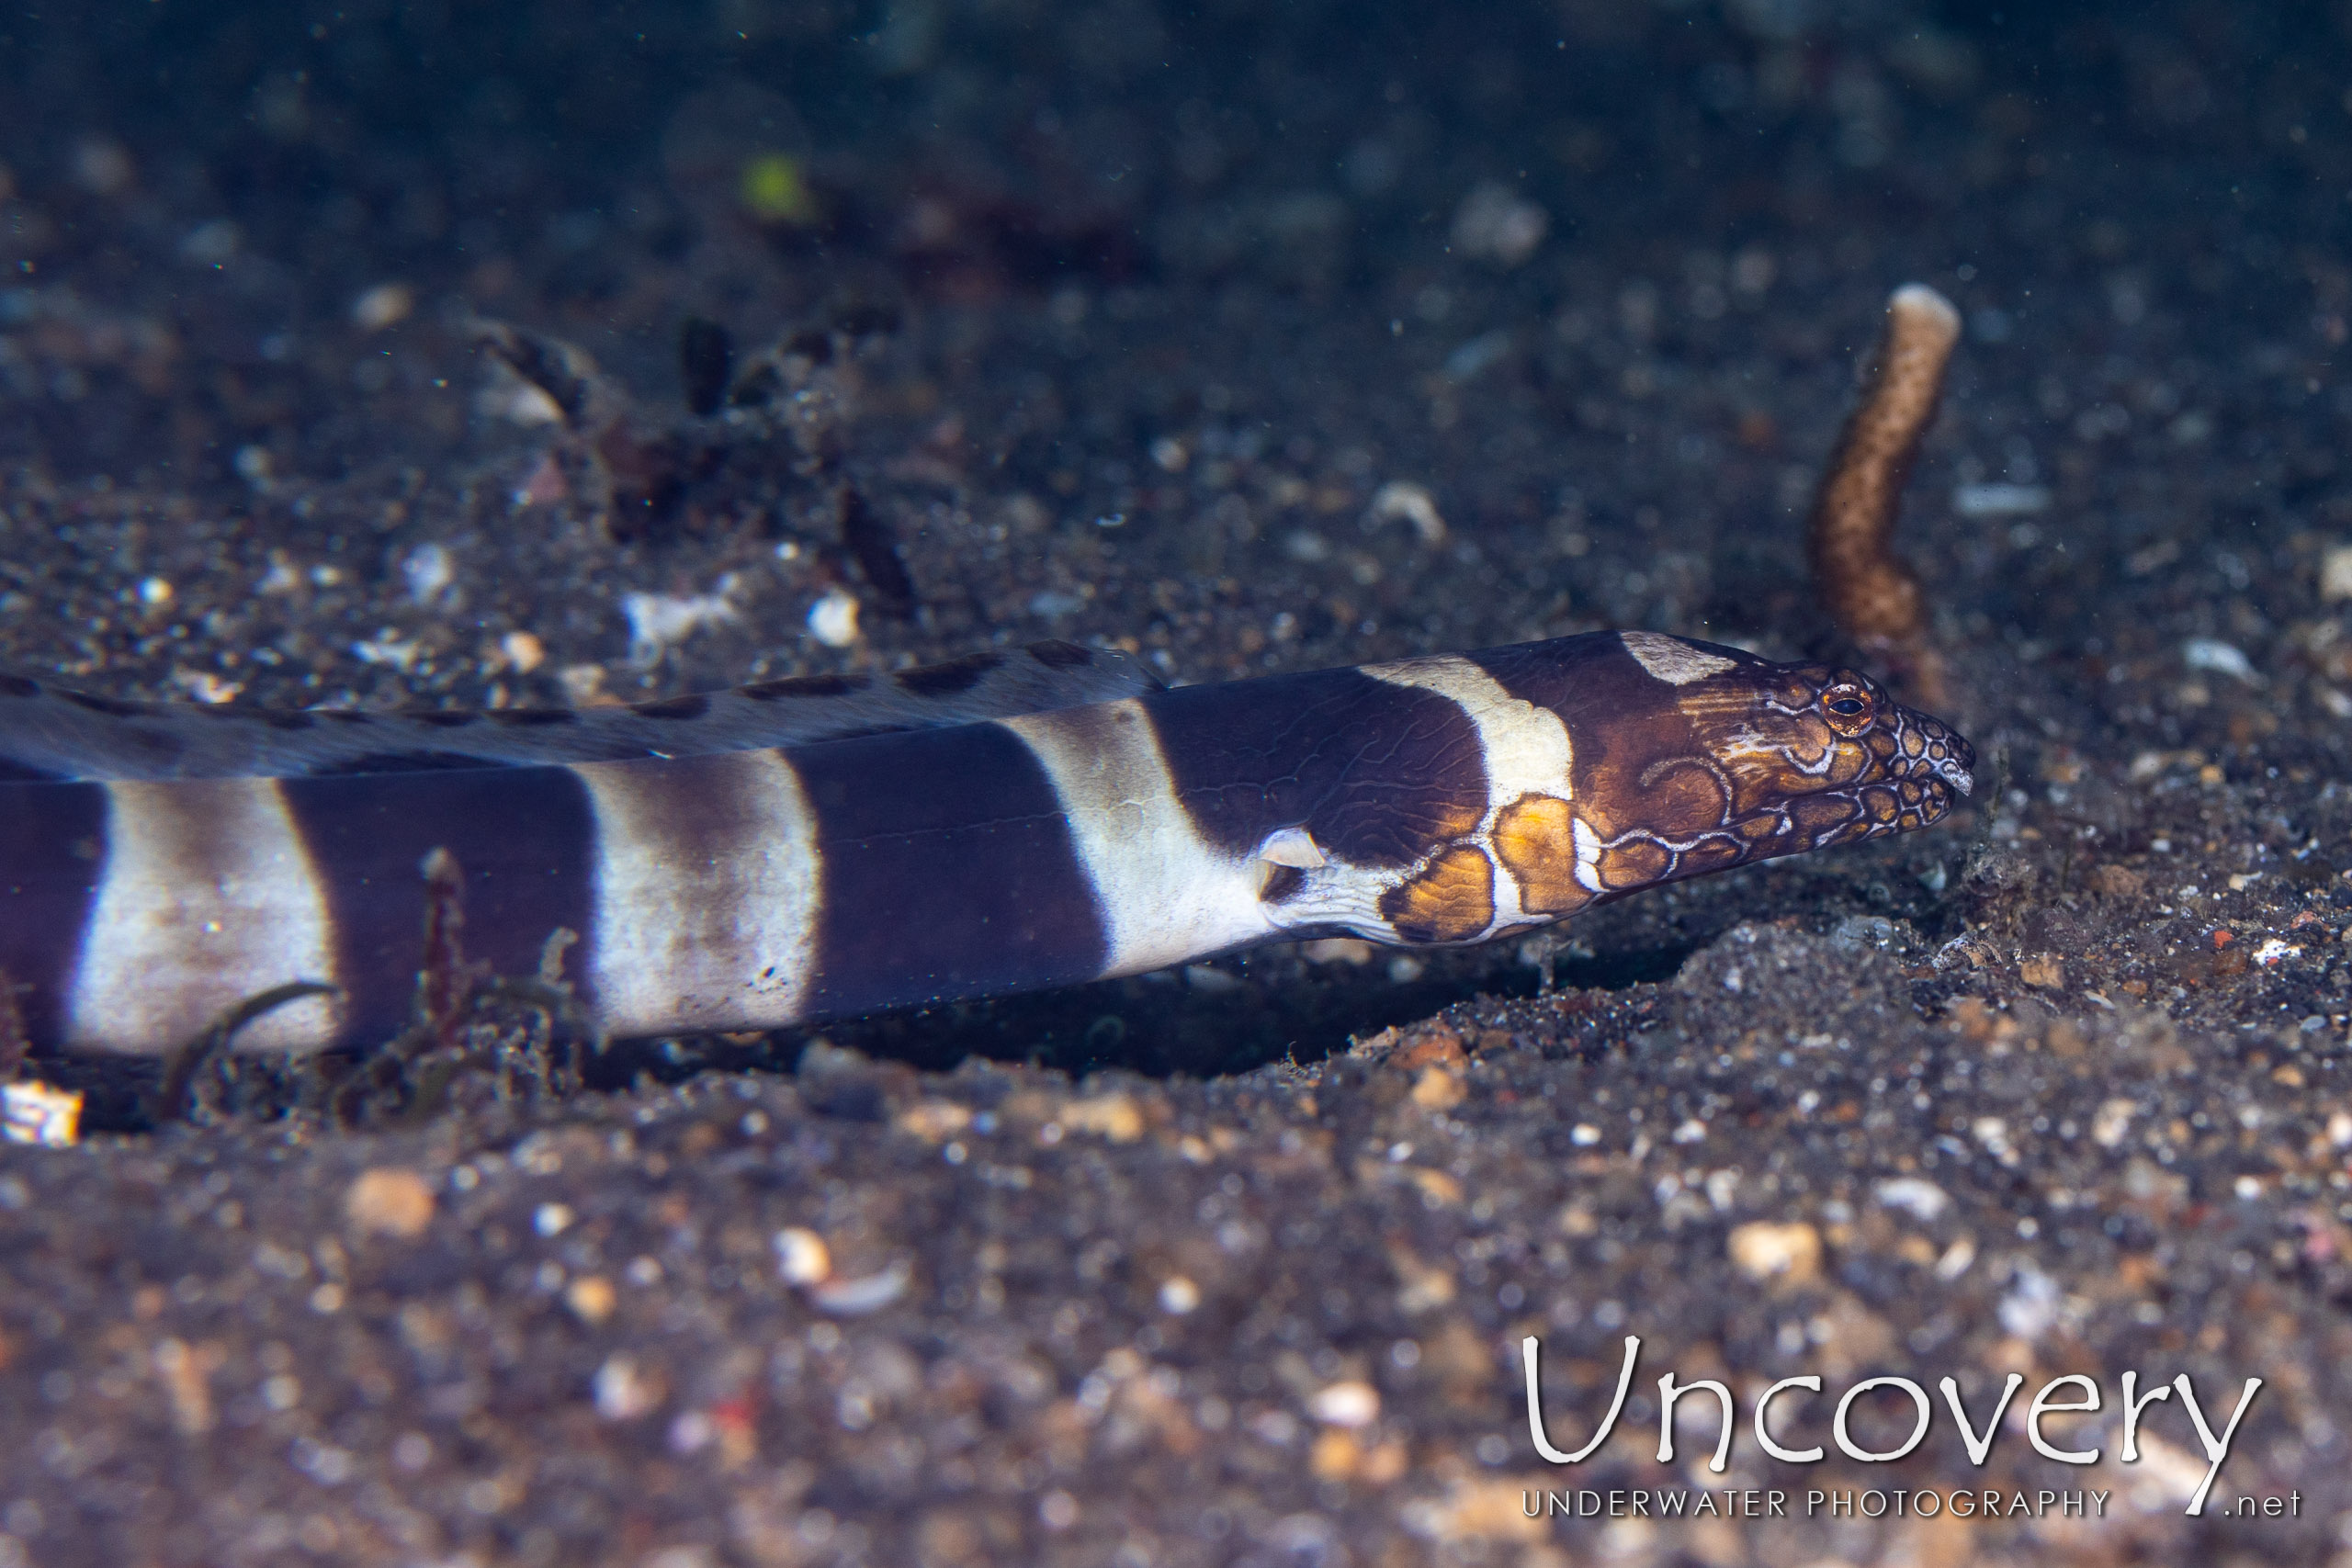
x: 1236, y: 1266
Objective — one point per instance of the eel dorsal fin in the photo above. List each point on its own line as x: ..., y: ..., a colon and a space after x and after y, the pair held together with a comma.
x: 48, y: 733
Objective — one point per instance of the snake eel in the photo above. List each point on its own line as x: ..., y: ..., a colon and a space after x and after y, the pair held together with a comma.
x: 824, y: 846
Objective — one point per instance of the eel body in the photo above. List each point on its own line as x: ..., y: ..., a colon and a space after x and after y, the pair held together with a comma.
x: 807, y: 850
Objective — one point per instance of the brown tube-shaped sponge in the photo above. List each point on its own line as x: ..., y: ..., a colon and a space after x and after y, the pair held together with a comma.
x: 1867, y: 587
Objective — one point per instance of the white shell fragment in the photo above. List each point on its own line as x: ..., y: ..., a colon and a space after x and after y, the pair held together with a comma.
x: 1348, y: 1404
x: 2000, y: 500
x: 855, y: 1298
x: 833, y: 620
x: 382, y: 306
x: 1494, y: 223
x: 1401, y: 498
x: 37, y: 1114
x: 658, y: 620
x: 2335, y: 574
x: 801, y: 1256
x: 1916, y: 1196
x: 430, y: 568
x: 2219, y: 657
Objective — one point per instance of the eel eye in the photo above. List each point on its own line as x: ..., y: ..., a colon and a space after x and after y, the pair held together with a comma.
x: 1849, y: 709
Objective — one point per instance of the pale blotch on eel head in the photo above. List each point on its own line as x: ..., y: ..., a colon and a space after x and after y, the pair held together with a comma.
x: 1871, y: 592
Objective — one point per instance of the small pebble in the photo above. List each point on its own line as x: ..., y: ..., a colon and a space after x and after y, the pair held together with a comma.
x: 207, y: 687
x: 1437, y: 1090
x: 429, y: 569
x: 2117, y: 882
x: 1345, y: 1405
x: 623, y: 1391
x: 2336, y: 573
x: 659, y: 621
x: 523, y: 651
x: 932, y: 1120
x: 37, y: 1114
x: 590, y: 1298
x: 583, y: 684
x: 1919, y: 1198
x: 103, y: 167
x: 1112, y: 1116
x: 2000, y: 500
x: 212, y: 245
x: 1763, y: 1250
x: 1334, y: 1456
x: 2043, y: 971
x: 390, y: 1201
x: 1495, y: 223
x: 802, y: 1256
x: 382, y: 306
x: 833, y: 620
